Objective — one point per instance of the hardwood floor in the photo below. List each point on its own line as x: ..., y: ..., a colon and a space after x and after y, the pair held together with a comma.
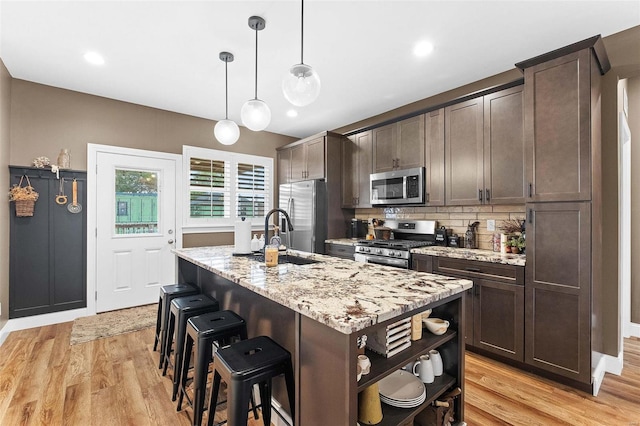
x: 115, y: 381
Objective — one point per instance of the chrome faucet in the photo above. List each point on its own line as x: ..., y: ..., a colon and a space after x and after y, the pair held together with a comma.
x: 266, y: 220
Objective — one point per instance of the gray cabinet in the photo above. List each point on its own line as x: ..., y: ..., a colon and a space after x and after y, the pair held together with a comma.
x: 47, y: 267
x: 342, y: 251
x: 434, y: 156
x: 356, y: 169
x: 399, y: 145
x: 558, y: 289
x: 494, y: 306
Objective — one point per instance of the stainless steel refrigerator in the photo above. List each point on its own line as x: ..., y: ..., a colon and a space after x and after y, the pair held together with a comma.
x: 306, y: 204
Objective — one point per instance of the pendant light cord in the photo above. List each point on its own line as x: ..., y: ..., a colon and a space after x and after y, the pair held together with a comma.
x: 302, y: 34
x: 226, y: 91
x: 256, y: 79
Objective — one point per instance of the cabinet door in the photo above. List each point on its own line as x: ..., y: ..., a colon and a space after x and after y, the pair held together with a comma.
x: 434, y: 148
x: 557, y: 128
x: 315, y: 159
x: 410, y: 143
x: 364, y: 153
x: 349, y: 172
x: 463, y: 153
x: 298, y: 163
x: 384, y: 148
x: 284, y: 166
x: 558, y: 288
x: 498, y: 324
x: 422, y: 263
x: 504, y: 165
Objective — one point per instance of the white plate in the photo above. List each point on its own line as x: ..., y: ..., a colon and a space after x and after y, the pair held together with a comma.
x: 401, y: 386
x: 398, y: 404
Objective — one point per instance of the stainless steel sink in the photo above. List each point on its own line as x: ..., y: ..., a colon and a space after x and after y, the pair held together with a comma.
x: 284, y: 258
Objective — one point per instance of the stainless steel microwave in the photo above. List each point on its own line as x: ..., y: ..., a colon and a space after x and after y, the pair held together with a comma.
x: 398, y: 187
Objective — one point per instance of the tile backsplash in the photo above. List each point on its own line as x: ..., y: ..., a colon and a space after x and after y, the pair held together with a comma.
x: 455, y: 218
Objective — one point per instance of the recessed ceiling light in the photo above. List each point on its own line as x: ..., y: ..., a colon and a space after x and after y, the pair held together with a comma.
x: 94, y: 58
x: 422, y: 49
x: 292, y: 113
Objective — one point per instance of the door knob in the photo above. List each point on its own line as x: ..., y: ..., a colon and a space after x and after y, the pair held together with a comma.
x: 170, y: 241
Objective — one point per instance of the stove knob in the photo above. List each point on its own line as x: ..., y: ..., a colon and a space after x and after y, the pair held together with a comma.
x: 366, y: 249
x: 379, y: 251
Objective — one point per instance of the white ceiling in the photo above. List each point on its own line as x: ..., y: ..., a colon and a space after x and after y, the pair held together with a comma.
x: 164, y: 54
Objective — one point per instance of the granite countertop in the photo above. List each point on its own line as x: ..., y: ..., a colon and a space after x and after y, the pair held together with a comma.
x: 458, y: 253
x: 473, y: 254
x: 344, y: 295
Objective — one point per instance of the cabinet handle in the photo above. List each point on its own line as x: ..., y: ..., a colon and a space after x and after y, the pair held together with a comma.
x: 472, y: 269
x: 530, y: 190
x: 530, y: 216
x: 487, y: 195
x: 427, y: 197
x: 480, y: 195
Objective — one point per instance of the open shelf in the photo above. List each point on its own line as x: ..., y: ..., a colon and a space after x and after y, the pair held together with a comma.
x: 382, y: 366
x: 397, y: 416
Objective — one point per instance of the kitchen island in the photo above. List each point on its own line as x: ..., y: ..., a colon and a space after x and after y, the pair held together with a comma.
x: 317, y: 311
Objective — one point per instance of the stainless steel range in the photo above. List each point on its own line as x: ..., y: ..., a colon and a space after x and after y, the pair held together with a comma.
x: 407, y: 234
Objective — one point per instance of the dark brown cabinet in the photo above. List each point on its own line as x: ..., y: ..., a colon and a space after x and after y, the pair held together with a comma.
x: 307, y: 160
x: 434, y: 150
x: 558, y: 289
x: 464, y: 153
x: 504, y: 162
x: 48, y: 261
x: 399, y: 145
x: 558, y: 128
x: 485, y: 149
x: 356, y: 169
x: 494, y: 306
x: 284, y: 166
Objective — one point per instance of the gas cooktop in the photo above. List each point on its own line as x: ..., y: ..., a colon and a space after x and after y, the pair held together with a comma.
x: 396, y: 244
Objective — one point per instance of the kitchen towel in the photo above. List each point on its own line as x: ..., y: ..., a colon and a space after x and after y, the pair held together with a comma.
x: 242, y: 237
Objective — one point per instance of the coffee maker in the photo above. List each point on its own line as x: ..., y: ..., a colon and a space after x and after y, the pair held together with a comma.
x: 358, y: 228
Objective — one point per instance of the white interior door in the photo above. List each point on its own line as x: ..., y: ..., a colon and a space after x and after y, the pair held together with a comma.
x: 135, y: 228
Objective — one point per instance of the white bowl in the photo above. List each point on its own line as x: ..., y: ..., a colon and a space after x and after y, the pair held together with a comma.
x: 436, y: 326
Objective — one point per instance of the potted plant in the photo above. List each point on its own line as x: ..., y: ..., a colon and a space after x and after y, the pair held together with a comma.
x: 510, y: 228
x: 24, y: 196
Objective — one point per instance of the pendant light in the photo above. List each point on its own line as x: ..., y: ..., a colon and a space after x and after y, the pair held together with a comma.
x: 301, y: 85
x: 226, y: 131
x: 255, y: 113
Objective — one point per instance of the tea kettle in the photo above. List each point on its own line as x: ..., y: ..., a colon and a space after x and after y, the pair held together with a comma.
x: 470, y: 236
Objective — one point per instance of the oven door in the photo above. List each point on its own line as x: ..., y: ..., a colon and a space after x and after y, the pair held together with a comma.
x: 381, y: 260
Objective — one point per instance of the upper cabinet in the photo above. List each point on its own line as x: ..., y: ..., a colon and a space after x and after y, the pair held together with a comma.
x: 463, y: 153
x: 504, y: 161
x: 434, y: 149
x: 484, y: 157
x: 558, y: 128
x: 311, y: 158
x: 356, y: 168
x: 399, y: 145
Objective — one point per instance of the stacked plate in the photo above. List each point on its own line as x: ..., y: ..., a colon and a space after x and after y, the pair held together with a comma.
x: 402, y: 389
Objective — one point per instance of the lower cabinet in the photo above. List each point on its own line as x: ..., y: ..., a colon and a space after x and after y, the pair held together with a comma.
x: 494, y: 307
x: 47, y: 266
x: 340, y: 250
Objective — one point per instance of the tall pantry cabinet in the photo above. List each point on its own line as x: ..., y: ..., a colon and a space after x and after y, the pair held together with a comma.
x: 562, y: 142
x: 48, y: 261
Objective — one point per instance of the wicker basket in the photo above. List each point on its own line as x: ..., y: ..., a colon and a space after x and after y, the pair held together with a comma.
x: 382, y: 233
x: 24, y: 208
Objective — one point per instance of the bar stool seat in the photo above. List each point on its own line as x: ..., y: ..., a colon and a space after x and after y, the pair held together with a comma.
x: 183, y: 308
x: 167, y: 294
x: 202, y: 331
x: 241, y: 365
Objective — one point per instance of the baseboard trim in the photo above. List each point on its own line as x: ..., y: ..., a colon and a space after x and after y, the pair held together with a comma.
x: 632, y: 330
x: 606, y: 364
x: 40, y: 321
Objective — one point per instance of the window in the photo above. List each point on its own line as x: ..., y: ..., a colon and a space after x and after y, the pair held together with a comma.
x: 224, y: 186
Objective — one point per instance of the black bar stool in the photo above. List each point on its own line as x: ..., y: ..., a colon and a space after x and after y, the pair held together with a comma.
x: 202, y: 331
x: 167, y: 294
x: 183, y: 308
x: 244, y: 364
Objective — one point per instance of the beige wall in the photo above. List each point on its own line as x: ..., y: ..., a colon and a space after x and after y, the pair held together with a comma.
x: 5, y: 103
x: 45, y: 119
x: 633, y: 92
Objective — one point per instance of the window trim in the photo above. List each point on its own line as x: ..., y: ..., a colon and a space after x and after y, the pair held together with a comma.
x: 202, y: 225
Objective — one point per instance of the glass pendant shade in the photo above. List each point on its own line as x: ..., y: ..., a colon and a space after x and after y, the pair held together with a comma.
x: 256, y: 115
x: 227, y: 132
x: 301, y: 85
